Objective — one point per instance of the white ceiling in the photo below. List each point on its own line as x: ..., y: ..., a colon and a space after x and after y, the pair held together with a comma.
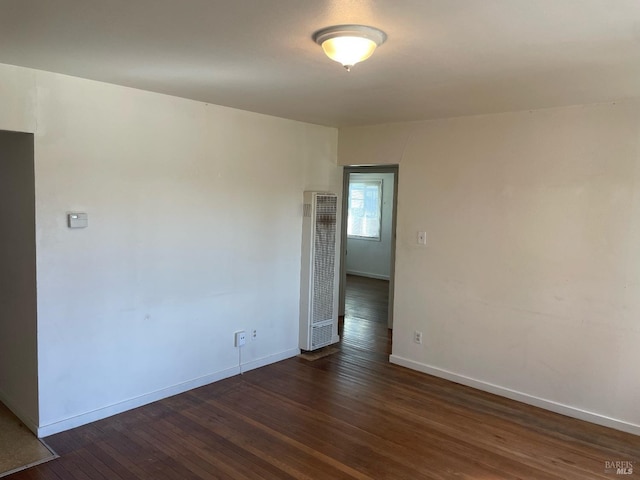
x: 443, y: 58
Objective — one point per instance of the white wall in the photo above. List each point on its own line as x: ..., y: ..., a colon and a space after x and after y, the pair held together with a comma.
x: 195, y: 215
x: 18, y: 347
x: 372, y: 258
x: 530, y: 283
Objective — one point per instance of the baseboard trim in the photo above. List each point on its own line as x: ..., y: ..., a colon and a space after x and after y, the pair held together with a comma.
x: 519, y: 396
x: 368, y: 275
x: 30, y: 423
x: 269, y: 359
x: 108, y: 411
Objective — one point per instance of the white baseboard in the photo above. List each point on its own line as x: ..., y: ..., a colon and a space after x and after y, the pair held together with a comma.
x: 519, y: 396
x: 29, y: 422
x: 100, y: 413
x: 269, y: 359
x: 368, y: 275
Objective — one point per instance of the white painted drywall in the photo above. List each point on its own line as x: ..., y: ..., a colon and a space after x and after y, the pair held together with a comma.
x: 195, y: 216
x: 18, y: 347
x: 372, y: 258
x: 18, y: 93
x: 530, y: 283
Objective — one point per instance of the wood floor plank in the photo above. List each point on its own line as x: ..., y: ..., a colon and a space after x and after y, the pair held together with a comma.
x: 233, y: 460
x: 94, y: 455
x: 372, y: 416
x: 368, y: 436
x: 348, y: 415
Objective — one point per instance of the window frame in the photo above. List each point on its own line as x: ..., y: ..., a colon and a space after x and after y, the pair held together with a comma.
x: 369, y: 182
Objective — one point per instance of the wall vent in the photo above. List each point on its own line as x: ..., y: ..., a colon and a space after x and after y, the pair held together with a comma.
x: 321, y: 335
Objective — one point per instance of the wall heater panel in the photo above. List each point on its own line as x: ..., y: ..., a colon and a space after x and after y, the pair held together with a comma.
x: 319, y: 272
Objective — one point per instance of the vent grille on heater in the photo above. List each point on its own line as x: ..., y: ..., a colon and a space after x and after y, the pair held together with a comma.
x: 321, y: 335
x: 324, y: 258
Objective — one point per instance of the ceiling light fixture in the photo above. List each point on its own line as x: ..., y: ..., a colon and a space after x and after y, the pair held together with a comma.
x: 349, y: 44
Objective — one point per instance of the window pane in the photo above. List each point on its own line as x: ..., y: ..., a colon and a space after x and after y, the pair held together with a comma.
x: 363, y: 218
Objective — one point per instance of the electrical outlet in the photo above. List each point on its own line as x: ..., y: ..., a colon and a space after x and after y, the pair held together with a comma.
x: 417, y: 337
x: 254, y: 334
x: 240, y: 338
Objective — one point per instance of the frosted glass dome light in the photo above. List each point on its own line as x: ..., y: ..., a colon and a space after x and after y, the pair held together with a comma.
x: 349, y: 44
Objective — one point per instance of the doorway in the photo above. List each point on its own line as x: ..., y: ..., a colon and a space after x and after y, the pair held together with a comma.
x: 18, y: 296
x: 367, y: 266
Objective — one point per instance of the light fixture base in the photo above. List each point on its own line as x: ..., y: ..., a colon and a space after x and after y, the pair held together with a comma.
x: 374, y: 34
x: 349, y: 44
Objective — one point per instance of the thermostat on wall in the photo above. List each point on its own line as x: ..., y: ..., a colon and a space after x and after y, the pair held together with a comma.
x: 78, y: 220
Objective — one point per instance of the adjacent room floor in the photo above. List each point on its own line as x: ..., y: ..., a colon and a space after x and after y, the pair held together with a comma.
x: 349, y: 415
x: 366, y: 310
x: 18, y: 445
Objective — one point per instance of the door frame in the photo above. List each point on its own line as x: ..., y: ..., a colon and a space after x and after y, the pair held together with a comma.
x: 348, y: 170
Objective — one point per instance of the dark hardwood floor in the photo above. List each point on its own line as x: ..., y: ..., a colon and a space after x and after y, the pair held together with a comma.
x: 348, y: 415
x: 366, y: 310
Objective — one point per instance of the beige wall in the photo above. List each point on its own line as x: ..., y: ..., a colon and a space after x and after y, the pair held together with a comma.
x: 530, y: 283
x: 195, y: 223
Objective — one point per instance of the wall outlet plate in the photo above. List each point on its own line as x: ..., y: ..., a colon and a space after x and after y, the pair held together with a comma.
x: 240, y: 339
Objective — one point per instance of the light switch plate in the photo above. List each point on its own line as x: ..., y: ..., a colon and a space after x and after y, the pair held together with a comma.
x: 422, y: 238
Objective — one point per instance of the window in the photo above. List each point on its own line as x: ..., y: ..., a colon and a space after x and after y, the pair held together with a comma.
x: 364, y: 215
